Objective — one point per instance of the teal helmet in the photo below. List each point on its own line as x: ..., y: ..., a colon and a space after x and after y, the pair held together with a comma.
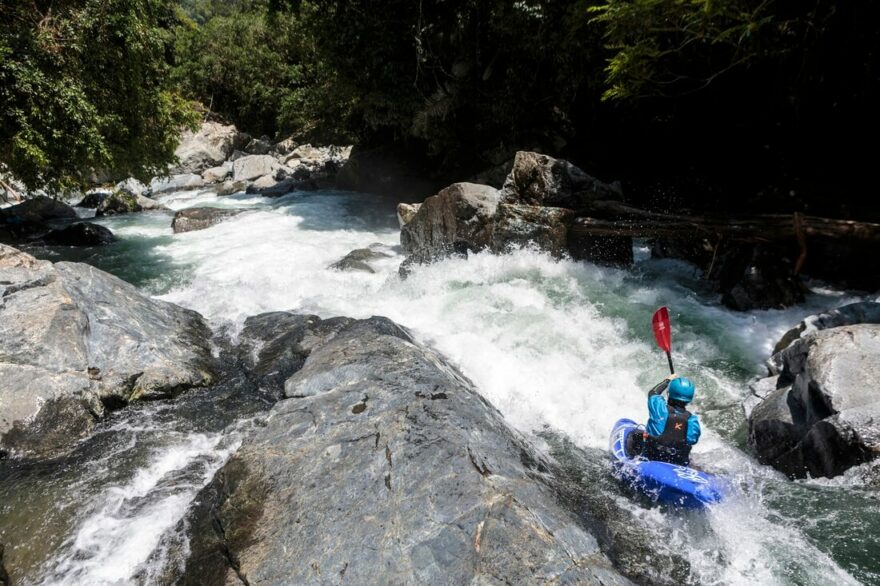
x: 681, y: 389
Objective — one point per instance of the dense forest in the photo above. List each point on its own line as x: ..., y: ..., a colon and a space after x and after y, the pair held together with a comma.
x: 695, y: 103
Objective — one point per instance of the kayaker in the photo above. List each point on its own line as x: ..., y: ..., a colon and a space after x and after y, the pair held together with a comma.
x: 672, y: 430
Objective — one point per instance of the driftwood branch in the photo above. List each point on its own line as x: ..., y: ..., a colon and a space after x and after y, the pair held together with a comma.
x: 609, y: 218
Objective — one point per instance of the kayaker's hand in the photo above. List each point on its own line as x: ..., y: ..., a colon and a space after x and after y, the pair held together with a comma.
x: 671, y: 376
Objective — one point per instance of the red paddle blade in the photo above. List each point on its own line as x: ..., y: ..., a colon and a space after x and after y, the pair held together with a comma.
x: 662, y: 331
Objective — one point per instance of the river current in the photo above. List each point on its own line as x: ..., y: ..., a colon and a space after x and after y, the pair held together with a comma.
x: 555, y: 345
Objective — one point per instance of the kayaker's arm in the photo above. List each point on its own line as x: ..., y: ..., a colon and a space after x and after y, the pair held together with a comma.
x: 658, y: 390
x: 693, y: 432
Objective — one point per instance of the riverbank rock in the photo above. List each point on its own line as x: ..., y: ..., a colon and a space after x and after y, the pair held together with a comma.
x: 268, y: 186
x: 250, y: 167
x: 820, y: 414
x: 208, y: 147
x: 124, y: 203
x: 406, y: 212
x: 81, y: 234
x: 192, y: 219
x: 76, y: 341
x: 217, y: 174
x: 176, y: 183
x: 862, y: 312
x: 131, y: 186
x: 541, y: 180
x: 386, y: 466
x: 93, y: 199
x: 229, y: 187
x: 359, y: 259
x: 39, y: 209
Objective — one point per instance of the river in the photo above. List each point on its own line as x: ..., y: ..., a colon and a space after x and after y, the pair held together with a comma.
x: 555, y: 345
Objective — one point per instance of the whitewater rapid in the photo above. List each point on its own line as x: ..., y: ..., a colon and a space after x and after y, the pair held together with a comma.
x: 553, y: 344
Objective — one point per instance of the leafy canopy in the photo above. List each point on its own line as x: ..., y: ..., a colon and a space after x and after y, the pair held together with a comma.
x: 84, y: 89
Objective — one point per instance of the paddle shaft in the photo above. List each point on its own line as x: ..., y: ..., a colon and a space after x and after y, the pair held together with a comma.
x: 669, y: 358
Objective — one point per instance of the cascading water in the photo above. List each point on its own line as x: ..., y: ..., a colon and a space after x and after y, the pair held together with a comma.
x: 555, y: 345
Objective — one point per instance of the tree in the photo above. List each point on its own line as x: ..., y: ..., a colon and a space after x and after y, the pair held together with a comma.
x: 84, y: 89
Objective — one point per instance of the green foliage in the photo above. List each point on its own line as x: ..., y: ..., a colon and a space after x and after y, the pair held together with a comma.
x: 666, y: 48
x: 256, y: 67
x: 468, y: 78
x: 84, y: 88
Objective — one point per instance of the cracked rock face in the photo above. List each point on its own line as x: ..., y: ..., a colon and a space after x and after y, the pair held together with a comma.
x: 384, y: 465
x: 821, y: 414
x: 75, y: 340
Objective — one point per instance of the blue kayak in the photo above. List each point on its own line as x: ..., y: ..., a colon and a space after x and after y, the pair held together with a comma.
x: 665, y: 483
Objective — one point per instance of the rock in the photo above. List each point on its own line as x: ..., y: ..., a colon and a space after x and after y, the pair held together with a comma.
x: 756, y: 277
x: 384, y: 444
x: 229, y: 187
x: 76, y: 341
x: 252, y: 166
x: 176, y: 183
x: 217, y: 174
x: 537, y: 179
x: 406, y: 212
x: 208, y: 147
x: 122, y: 203
x: 93, y: 199
x: 848, y: 263
x: 824, y: 415
x: 258, y: 146
x: 39, y: 209
x: 4, y: 576
x: 81, y: 234
x: 357, y: 260
x: 458, y: 220
x: 267, y: 186
x: 524, y: 225
x: 307, y: 151
x: 285, y: 146
x: 863, y: 312
x: 192, y: 219
x: 131, y: 186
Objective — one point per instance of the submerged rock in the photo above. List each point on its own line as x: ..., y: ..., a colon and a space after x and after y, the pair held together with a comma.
x: 192, y: 219
x: 81, y: 234
x: 823, y: 416
x: 387, y: 467
x: 124, y: 203
x: 75, y: 341
x: 358, y: 260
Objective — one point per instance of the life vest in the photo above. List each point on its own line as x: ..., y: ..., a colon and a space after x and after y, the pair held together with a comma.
x: 672, y: 445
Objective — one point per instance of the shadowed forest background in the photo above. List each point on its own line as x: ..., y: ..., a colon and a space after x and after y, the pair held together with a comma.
x: 740, y: 105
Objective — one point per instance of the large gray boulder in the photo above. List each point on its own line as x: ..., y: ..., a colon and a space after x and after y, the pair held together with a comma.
x: 459, y: 219
x: 39, y: 209
x: 820, y: 412
x: 131, y: 186
x: 252, y: 166
x: 81, y: 234
x: 75, y: 341
x: 192, y: 219
x: 537, y: 179
x: 209, y: 146
x: 385, y: 466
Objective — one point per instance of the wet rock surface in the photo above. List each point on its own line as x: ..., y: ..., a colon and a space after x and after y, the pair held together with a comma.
x: 120, y: 202
x: 192, y: 219
x: 541, y: 180
x: 385, y: 466
x: 359, y: 259
x: 75, y: 341
x: 819, y: 412
x: 81, y: 234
